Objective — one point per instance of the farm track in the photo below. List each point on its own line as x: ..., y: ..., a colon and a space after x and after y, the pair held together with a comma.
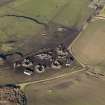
x: 24, y: 85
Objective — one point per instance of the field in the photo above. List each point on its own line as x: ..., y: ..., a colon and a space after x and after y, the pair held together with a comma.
x: 79, y: 89
x: 51, y: 10
x: 24, y: 31
x: 26, y: 35
x: 90, y: 46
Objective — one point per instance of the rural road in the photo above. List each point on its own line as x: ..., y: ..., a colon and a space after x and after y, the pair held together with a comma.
x: 23, y: 85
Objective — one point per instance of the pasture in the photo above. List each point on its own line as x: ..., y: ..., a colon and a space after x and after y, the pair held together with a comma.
x: 89, y: 48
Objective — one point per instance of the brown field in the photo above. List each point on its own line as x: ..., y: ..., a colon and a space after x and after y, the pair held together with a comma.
x: 28, y: 35
x: 79, y: 89
x: 89, y: 48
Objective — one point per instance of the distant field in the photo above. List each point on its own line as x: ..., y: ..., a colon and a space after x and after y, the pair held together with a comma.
x: 89, y: 48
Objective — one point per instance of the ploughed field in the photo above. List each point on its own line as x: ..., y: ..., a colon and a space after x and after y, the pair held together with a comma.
x: 79, y: 89
x: 90, y: 45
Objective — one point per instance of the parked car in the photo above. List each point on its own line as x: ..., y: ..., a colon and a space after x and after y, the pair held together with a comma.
x: 28, y: 71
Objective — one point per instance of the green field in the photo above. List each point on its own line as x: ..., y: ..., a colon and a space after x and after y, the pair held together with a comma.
x: 66, y: 12
x: 74, y: 13
x: 70, y: 13
x: 89, y: 48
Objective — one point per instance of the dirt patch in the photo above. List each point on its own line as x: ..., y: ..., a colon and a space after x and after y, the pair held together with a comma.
x: 63, y: 85
x: 3, y: 2
x: 90, y: 46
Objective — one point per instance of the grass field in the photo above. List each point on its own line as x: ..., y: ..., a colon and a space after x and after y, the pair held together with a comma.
x: 74, y: 13
x: 70, y: 13
x: 90, y: 46
x: 65, y: 12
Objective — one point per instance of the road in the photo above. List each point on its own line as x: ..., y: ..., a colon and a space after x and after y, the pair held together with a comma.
x: 23, y: 85
x: 81, y: 88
